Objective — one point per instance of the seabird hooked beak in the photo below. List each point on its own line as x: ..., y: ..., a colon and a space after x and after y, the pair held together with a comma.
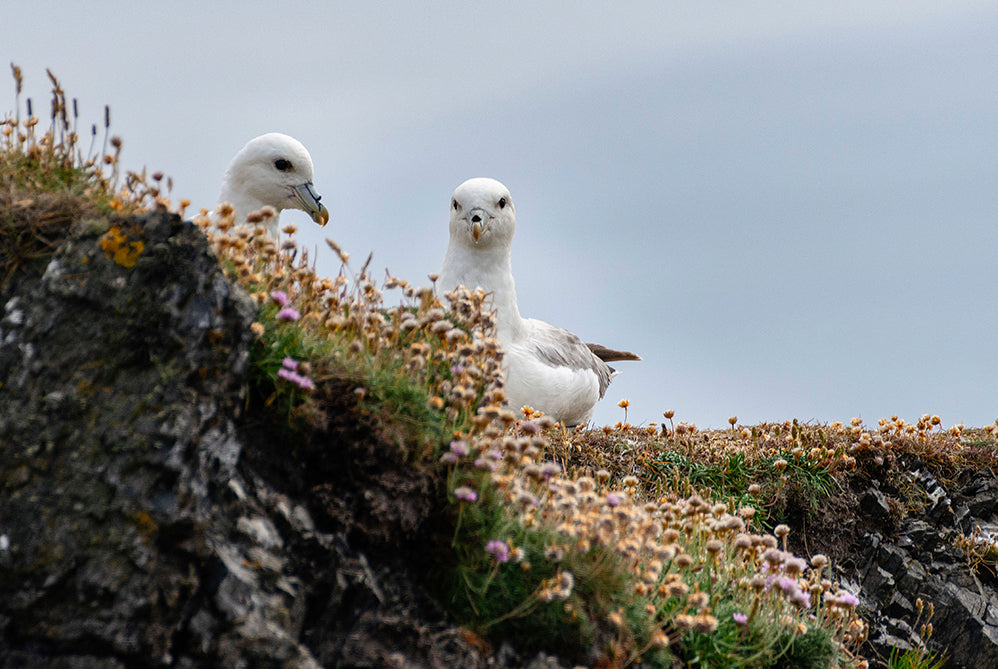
x: 309, y: 200
x: 478, y: 220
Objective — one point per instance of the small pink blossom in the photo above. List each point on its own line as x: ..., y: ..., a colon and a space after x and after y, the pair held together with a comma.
x: 280, y: 298
x: 465, y: 494
x: 290, y: 363
x: 739, y: 618
x: 844, y: 598
x: 288, y: 314
x: 499, y: 549
x: 848, y: 599
x: 787, y: 585
x: 800, y: 599
x: 294, y: 377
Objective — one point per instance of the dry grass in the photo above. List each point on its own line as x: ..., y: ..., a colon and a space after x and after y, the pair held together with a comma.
x: 657, y: 543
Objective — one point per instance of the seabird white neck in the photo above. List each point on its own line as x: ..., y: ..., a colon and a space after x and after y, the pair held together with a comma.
x: 243, y: 203
x: 491, y: 269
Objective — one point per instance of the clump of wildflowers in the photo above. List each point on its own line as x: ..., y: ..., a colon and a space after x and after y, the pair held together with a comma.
x: 289, y: 372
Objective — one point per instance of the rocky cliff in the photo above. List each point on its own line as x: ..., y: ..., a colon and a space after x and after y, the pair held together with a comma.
x: 150, y: 517
x: 931, y: 554
x: 146, y: 517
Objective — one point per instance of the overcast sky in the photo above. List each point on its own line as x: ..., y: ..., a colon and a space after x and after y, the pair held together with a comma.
x: 788, y: 209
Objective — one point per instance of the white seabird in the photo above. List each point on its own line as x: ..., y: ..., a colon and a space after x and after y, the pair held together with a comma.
x: 547, y: 368
x: 275, y: 170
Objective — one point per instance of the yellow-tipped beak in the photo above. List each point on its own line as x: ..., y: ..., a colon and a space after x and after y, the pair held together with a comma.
x: 310, y: 202
x: 322, y: 216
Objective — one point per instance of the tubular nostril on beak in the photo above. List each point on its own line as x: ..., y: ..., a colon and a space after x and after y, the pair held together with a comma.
x: 477, y: 215
x: 478, y: 218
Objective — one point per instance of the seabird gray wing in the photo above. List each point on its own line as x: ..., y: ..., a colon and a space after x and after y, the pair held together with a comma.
x: 560, y: 348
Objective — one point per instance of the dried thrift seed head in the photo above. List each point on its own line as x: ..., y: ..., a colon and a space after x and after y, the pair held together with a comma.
x: 714, y: 547
x: 699, y: 600
x: 705, y: 623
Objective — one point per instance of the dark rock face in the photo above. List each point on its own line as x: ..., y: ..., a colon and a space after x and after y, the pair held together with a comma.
x: 897, y: 563
x: 144, y: 521
x: 149, y: 518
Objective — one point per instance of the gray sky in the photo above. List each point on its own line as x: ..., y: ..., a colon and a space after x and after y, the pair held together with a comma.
x: 789, y: 209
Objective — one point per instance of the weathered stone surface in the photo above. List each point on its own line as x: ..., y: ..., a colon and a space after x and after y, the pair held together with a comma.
x: 921, y: 560
x: 148, y: 518
x: 136, y: 528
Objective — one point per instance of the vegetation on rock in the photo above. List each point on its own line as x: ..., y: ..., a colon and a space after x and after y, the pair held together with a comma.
x: 651, y: 545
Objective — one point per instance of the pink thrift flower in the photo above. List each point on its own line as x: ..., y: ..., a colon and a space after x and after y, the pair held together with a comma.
x: 499, y: 549
x: 294, y: 377
x: 288, y: 314
x: 848, y: 599
x: 465, y: 494
x: 844, y: 598
x: 290, y: 363
x: 280, y: 298
x: 739, y: 618
x: 800, y: 599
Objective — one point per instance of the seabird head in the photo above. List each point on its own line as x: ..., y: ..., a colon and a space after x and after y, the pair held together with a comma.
x: 482, y: 213
x: 276, y: 170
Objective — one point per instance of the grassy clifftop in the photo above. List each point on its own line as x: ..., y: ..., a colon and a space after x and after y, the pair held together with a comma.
x: 652, y: 545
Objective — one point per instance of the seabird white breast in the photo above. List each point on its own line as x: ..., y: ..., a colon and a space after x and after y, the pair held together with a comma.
x: 275, y: 170
x: 546, y: 367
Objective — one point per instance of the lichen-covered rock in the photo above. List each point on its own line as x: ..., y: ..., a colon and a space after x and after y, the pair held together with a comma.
x: 124, y: 540
x: 146, y: 521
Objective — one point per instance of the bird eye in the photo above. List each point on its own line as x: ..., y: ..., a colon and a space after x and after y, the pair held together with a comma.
x: 454, y: 202
x: 282, y: 164
x: 502, y: 203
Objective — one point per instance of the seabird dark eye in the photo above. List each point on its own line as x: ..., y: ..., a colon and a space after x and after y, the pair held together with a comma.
x: 502, y: 203
x: 454, y: 202
x: 282, y: 164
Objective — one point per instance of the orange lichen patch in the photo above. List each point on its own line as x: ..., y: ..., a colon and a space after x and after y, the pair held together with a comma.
x: 146, y: 525
x: 121, y: 247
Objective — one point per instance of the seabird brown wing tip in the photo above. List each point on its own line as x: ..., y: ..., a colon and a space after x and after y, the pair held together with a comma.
x: 610, y: 355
